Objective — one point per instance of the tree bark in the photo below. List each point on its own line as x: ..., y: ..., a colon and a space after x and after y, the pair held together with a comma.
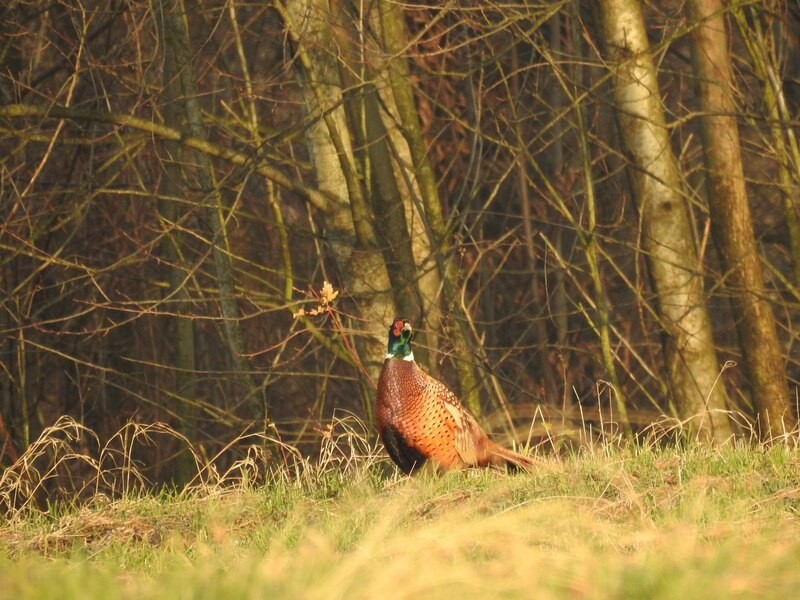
x: 183, y: 358
x: 390, y: 213
x: 350, y: 228
x: 693, y: 369
x: 393, y: 29
x: 427, y: 275
x: 731, y: 223
x: 177, y: 39
x: 763, y: 45
x: 388, y: 171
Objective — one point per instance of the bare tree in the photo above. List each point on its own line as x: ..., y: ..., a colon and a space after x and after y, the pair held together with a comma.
x: 395, y: 39
x: 731, y: 222
x: 667, y: 235
x: 174, y: 250
x: 350, y: 225
x: 771, y: 38
x: 178, y: 43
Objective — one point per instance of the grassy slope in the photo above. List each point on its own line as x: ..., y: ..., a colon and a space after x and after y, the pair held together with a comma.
x: 641, y: 523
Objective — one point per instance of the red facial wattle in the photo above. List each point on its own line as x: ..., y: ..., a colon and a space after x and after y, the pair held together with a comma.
x: 397, y: 327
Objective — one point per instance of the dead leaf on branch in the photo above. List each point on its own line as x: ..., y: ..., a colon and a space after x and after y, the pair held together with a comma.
x: 325, y: 296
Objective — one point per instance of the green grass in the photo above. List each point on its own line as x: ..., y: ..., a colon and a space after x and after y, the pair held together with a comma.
x: 606, y: 523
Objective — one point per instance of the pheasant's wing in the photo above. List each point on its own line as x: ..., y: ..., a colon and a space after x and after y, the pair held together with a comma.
x: 466, y: 431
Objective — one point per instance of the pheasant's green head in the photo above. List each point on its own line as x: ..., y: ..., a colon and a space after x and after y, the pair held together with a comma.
x: 400, y: 334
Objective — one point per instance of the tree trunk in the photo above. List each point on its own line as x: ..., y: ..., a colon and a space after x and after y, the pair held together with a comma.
x: 177, y: 39
x: 387, y: 166
x: 764, y: 47
x: 427, y: 276
x: 349, y: 226
x: 693, y: 369
x: 390, y: 215
x: 393, y: 28
x: 551, y: 393
x: 170, y: 190
x: 731, y: 224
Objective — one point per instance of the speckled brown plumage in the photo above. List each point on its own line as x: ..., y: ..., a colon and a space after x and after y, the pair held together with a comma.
x: 420, y: 419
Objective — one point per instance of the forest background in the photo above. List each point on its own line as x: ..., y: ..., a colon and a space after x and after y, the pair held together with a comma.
x: 211, y: 211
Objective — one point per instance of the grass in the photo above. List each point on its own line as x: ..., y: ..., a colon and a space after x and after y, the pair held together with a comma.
x: 609, y: 522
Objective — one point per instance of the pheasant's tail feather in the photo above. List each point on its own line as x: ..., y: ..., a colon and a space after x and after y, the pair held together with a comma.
x: 513, y: 461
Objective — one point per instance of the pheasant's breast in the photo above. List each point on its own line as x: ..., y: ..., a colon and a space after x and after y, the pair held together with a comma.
x: 410, y: 402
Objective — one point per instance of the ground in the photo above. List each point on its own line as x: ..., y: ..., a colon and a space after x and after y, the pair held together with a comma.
x: 614, y: 520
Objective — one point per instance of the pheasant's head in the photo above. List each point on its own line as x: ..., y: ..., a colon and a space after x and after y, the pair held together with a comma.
x: 400, y: 333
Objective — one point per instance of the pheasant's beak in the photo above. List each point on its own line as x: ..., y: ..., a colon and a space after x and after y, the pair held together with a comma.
x: 407, y: 327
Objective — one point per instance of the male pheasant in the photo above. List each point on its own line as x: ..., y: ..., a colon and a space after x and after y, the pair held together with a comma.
x: 421, y: 420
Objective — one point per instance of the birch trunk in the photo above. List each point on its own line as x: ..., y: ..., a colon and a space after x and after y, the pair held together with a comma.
x: 349, y: 225
x: 693, y: 368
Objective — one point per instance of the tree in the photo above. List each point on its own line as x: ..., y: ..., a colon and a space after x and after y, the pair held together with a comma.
x: 174, y: 249
x: 350, y: 225
x: 177, y: 41
x: 394, y: 38
x: 667, y: 236
x: 731, y: 223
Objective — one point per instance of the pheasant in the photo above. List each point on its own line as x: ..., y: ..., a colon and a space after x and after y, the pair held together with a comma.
x: 421, y: 420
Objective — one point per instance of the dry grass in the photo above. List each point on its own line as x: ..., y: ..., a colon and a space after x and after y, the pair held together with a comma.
x: 608, y: 521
